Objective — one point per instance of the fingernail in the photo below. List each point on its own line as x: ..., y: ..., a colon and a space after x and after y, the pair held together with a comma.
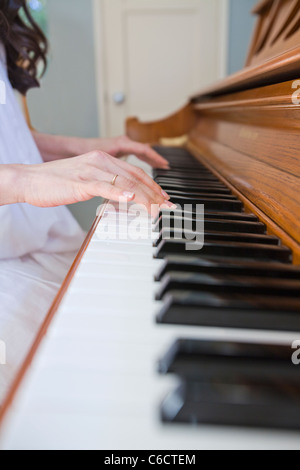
x: 168, y: 205
x: 165, y: 195
x: 128, y: 195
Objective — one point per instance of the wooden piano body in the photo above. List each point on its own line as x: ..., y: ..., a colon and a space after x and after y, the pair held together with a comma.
x: 246, y: 130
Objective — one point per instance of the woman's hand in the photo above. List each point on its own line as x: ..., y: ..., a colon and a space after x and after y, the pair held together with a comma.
x: 54, y: 147
x: 82, y: 178
x: 123, y: 146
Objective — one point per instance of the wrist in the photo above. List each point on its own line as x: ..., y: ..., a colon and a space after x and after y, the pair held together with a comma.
x: 12, y: 184
x: 54, y: 147
x: 83, y: 146
x: 18, y: 177
x: 76, y: 146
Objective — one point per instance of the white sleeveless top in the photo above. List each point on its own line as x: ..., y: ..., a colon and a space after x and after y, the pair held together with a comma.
x: 37, y: 246
x: 26, y: 229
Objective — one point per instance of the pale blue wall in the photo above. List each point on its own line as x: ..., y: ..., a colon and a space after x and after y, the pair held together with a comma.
x: 241, y: 25
x: 68, y: 89
x: 66, y: 103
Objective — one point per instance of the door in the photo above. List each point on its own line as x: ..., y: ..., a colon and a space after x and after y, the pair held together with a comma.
x: 152, y: 55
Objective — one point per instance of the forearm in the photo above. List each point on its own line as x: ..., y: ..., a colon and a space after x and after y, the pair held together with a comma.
x: 58, y: 147
x: 11, y: 184
x: 54, y: 147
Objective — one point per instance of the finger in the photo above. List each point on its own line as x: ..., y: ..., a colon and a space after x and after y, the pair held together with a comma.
x: 145, y: 153
x: 150, y: 156
x: 113, y: 193
x: 103, y: 162
x: 142, y: 176
x: 143, y: 194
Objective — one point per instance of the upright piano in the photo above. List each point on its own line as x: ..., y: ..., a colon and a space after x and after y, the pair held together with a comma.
x: 149, y: 345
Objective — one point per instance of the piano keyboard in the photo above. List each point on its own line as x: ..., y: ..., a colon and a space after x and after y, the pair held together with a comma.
x: 153, y: 345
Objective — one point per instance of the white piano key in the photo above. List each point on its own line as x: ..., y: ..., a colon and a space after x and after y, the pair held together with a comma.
x: 90, y: 284
x: 93, y: 255
x: 128, y: 247
x: 93, y: 395
x: 141, y: 239
x: 118, y: 270
x: 96, y: 303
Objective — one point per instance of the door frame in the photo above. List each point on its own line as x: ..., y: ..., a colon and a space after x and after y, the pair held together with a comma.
x: 99, y: 40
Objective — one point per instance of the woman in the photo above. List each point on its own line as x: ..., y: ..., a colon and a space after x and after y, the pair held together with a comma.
x: 38, y: 175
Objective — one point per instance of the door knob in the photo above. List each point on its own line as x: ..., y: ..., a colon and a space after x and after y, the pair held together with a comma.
x: 119, y: 97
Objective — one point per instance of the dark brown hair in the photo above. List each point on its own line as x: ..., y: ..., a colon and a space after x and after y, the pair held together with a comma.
x: 25, y: 44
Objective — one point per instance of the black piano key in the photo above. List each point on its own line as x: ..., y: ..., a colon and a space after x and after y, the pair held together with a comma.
x: 209, y: 236
x: 177, y: 162
x: 228, y: 267
x: 210, y: 193
x: 179, y: 168
x: 240, y: 216
x: 210, y: 224
x: 228, y: 249
x: 208, y: 188
x: 194, y: 180
x: 186, y: 185
x: 210, y: 204
x: 190, y: 185
x: 272, y: 405
x: 175, y: 171
x: 174, y: 175
x: 174, y: 158
x: 227, y: 311
x: 176, y: 165
x: 186, y: 160
x: 173, y: 152
x: 183, y: 161
x: 182, y: 151
x: 192, y: 174
x: 228, y: 361
x: 225, y: 284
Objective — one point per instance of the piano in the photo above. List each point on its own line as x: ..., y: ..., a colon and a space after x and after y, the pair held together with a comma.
x: 149, y: 345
